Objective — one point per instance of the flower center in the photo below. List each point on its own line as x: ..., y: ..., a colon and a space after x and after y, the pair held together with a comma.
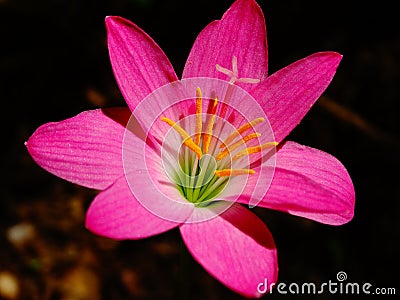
x: 210, y: 157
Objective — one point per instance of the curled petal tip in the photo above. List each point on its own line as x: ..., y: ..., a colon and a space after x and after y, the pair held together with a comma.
x: 116, y: 20
x: 108, y: 18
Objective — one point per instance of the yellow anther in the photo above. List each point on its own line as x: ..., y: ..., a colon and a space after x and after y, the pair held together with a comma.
x: 255, y: 149
x: 187, y: 140
x: 208, y: 133
x: 236, y: 145
x: 240, y: 130
x: 233, y: 172
x: 199, y: 123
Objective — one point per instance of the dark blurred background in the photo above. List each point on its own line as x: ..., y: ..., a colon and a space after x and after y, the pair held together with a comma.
x: 54, y: 64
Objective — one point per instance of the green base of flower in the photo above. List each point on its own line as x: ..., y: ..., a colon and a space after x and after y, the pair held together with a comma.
x: 196, y: 179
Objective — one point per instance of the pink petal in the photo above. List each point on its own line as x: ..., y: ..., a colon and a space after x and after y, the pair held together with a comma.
x: 174, y: 101
x: 251, y: 189
x: 241, y: 32
x: 85, y: 149
x: 115, y: 213
x: 236, y: 248
x: 139, y: 65
x: 158, y: 194
x: 312, y: 184
x: 149, y: 182
x: 288, y: 94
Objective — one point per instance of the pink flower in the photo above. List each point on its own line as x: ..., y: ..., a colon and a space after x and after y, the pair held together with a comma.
x: 221, y: 137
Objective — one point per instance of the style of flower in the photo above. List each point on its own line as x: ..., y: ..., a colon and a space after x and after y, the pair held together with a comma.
x: 146, y: 190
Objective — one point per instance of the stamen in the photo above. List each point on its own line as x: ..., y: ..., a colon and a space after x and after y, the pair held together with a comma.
x: 255, y: 149
x: 199, y: 123
x: 187, y: 140
x: 240, y: 130
x: 233, y: 172
x: 208, y: 133
x: 236, y: 145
